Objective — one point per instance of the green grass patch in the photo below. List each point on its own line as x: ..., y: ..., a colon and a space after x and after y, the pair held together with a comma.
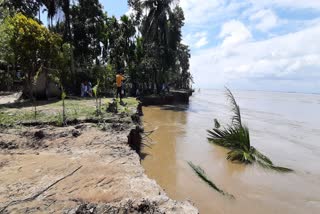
x: 52, y: 112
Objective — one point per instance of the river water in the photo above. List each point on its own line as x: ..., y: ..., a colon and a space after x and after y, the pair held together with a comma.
x: 283, y: 126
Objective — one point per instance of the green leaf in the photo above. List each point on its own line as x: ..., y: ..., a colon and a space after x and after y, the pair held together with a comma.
x: 36, y: 76
x: 236, y: 119
x: 63, y: 95
x: 276, y: 168
x: 216, y: 124
x: 95, y: 89
x: 236, y: 137
x: 201, y: 173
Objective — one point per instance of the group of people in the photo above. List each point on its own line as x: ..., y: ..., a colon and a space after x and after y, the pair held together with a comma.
x: 86, y: 89
x: 86, y: 86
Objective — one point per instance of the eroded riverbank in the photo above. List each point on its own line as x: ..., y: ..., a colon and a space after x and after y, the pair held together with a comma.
x: 81, y: 168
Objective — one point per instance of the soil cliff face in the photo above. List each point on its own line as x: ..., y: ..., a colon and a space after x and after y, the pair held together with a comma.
x: 82, y: 168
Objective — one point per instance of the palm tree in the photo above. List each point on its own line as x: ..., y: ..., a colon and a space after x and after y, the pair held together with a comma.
x: 155, y: 30
x: 155, y: 26
x: 51, y: 8
x: 128, y: 31
x: 236, y: 137
x: 65, y: 6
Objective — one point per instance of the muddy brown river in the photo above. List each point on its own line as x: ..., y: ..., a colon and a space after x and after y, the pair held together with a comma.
x: 283, y: 126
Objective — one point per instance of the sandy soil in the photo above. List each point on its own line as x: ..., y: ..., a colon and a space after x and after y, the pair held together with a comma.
x: 77, y: 169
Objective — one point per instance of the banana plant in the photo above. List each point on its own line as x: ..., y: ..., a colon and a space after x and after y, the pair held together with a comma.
x: 95, y: 90
x: 55, y: 75
x: 63, y: 97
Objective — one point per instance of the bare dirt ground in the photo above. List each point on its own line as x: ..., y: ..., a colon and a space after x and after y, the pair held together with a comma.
x: 9, y: 97
x: 77, y: 169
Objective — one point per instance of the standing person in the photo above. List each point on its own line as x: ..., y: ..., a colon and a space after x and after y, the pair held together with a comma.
x: 89, y: 89
x: 85, y: 89
x: 123, y: 86
x: 82, y: 89
x: 119, y: 79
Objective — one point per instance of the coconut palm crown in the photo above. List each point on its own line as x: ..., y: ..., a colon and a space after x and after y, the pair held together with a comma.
x: 236, y: 137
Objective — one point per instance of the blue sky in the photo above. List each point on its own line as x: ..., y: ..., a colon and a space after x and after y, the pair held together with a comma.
x: 250, y: 44
x: 115, y: 7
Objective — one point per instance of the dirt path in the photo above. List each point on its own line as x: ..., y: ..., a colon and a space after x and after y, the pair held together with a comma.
x: 10, y: 98
x: 82, y: 170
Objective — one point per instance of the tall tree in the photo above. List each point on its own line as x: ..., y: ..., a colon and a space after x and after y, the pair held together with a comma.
x: 155, y: 29
x: 32, y: 45
x: 51, y: 8
x: 180, y: 74
x: 161, y: 29
x: 65, y: 6
x: 29, y: 8
x: 87, y: 27
x: 136, y: 6
x: 120, y: 41
x: 184, y: 78
x: 4, y: 12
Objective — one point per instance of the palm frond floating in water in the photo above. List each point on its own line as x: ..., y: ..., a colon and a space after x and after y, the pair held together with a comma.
x: 216, y: 124
x: 201, y: 173
x: 273, y: 167
x: 236, y: 137
x: 236, y: 119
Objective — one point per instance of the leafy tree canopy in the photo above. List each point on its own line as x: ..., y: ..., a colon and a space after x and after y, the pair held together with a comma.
x: 29, y: 8
x: 30, y: 45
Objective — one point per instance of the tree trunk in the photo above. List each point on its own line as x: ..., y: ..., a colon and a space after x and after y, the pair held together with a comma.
x: 27, y: 86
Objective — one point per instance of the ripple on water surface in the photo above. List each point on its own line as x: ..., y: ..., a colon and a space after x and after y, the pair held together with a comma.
x: 284, y: 126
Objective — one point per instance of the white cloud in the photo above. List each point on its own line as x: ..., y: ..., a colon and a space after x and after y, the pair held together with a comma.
x: 265, y: 20
x: 196, y: 40
x: 200, y: 12
x: 294, y: 4
x: 293, y: 57
x: 241, y: 53
x: 202, y: 42
x: 234, y: 32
